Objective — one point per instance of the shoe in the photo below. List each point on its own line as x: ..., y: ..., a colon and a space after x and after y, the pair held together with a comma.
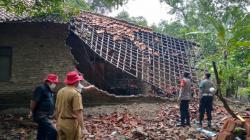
x: 200, y: 124
x: 188, y: 124
x: 209, y: 124
x: 180, y: 125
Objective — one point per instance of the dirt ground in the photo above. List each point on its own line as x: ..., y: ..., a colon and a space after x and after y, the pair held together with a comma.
x: 134, y: 121
x: 9, y: 130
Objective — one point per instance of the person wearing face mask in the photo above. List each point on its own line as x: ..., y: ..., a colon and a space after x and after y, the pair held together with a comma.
x: 81, y: 89
x: 69, y: 108
x: 42, y: 108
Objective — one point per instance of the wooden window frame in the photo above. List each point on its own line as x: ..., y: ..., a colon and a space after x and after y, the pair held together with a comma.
x: 9, y: 54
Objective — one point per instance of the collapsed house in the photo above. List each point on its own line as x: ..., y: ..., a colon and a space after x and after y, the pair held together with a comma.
x: 115, y: 55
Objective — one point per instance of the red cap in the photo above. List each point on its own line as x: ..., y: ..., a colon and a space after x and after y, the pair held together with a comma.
x: 53, y: 78
x: 72, y: 77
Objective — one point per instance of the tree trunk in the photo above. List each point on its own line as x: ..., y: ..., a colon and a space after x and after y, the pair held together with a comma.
x: 219, y: 95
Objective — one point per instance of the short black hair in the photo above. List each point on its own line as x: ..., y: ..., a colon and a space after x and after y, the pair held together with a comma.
x: 186, y: 74
x: 208, y: 75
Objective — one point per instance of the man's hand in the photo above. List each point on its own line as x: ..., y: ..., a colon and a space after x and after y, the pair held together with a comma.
x: 178, y: 100
x: 53, y: 122
x: 84, y: 131
x: 90, y: 88
x: 30, y: 115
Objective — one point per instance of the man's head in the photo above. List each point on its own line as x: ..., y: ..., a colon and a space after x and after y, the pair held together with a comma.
x: 51, y: 80
x: 207, y: 75
x: 73, y: 78
x: 186, y: 74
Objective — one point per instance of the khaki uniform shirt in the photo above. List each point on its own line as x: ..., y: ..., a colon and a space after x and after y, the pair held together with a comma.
x: 68, y: 100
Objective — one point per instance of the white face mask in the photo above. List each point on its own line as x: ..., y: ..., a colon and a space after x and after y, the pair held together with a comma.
x: 52, y: 86
x: 79, y: 87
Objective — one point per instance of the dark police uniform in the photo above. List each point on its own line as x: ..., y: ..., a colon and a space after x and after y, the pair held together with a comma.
x: 44, y: 110
x: 185, y: 96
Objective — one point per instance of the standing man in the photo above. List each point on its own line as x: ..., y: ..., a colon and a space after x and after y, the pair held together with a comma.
x: 42, y: 108
x: 206, y: 99
x: 184, y: 97
x: 69, y: 108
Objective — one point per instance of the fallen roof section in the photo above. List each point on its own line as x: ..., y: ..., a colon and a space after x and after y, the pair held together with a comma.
x: 157, y: 59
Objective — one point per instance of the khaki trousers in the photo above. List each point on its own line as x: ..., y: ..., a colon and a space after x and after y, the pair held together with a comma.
x: 68, y: 129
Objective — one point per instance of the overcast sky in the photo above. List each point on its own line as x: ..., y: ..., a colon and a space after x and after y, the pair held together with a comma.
x: 152, y: 10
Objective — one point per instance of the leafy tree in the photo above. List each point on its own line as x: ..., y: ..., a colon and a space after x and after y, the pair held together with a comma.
x: 104, y: 6
x: 65, y: 8
x: 135, y: 20
x: 221, y: 28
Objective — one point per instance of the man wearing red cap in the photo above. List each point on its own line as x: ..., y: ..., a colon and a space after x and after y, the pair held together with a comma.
x: 42, y: 108
x: 69, y: 108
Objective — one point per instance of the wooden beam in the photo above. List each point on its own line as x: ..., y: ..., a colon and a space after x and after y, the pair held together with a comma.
x: 107, y: 51
x: 92, y: 37
x: 102, y: 45
x: 125, y: 57
x: 119, y: 55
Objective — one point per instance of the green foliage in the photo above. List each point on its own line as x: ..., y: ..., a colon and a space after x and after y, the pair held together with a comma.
x: 104, y: 6
x: 222, y: 30
x: 42, y: 7
x: 135, y: 20
x: 64, y: 8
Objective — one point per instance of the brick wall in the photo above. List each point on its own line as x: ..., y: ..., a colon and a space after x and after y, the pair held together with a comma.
x: 37, y: 49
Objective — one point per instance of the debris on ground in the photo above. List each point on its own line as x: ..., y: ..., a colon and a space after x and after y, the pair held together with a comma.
x: 136, y: 121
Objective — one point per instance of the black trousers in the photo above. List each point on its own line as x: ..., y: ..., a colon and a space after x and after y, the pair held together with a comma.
x: 46, y: 131
x: 206, y: 105
x: 184, y: 110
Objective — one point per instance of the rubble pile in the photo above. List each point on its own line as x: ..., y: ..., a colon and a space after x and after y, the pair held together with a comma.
x: 163, y: 126
x: 139, y: 122
x: 235, y: 129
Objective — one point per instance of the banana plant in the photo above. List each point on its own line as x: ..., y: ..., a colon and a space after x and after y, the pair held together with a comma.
x: 233, y: 49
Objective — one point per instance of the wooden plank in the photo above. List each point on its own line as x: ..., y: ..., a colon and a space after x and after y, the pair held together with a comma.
x: 96, y: 44
x: 112, y: 57
x: 131, y: 47
x: 159, y: 64
x: 142, y: 68
x: 125, y: 57
x: 102, y: 45
x: 107, y: 51
x: 119, y: 55
x: 136, y: 66
x: 164, y: 65
x: 169, y: 67
x: 149, y: 61
x: 153, y: 50
x: 92, y: 37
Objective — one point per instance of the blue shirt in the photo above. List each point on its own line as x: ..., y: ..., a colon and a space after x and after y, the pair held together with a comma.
x: 44, y: 98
